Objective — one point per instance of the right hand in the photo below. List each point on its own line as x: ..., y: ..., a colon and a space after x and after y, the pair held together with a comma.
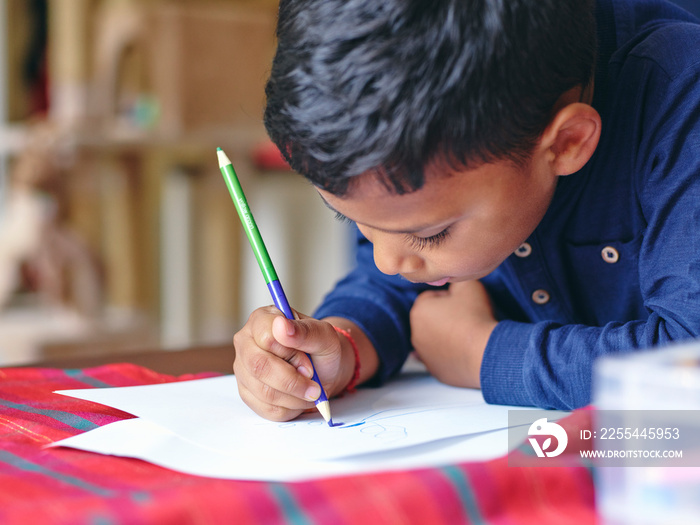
x: 272, y: 369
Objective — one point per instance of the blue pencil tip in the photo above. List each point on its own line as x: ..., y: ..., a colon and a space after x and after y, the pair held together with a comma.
x: 330, y: 422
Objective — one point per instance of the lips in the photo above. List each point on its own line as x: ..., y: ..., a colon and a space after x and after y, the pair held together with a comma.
x: 441, y: 282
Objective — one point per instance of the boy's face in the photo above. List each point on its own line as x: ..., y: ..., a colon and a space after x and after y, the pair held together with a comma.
x: 457, y: 227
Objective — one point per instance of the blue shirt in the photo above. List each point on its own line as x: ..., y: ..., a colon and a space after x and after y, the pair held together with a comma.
x: 614, y: 266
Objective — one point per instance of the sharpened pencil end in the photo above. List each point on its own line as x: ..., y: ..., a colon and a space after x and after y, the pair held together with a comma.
x: 223, y: 158
x: 324, y: 407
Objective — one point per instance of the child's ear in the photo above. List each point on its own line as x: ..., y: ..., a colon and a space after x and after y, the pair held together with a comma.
x: 572, y: 137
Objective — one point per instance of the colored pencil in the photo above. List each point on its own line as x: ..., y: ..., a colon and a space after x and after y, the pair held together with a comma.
x: 264, y: 261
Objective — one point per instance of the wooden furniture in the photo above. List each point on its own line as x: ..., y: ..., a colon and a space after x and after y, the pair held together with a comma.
x: 192, y: 360
x: 170, y: 83
x: 144, y: 92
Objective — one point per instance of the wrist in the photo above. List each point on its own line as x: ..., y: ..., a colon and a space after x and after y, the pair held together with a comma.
x: 350, y: 359
x: 369, y: 360
x: 476, y: 356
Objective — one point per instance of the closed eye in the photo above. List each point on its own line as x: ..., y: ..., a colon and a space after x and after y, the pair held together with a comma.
x: 342, y: 218
x: 421, y: 243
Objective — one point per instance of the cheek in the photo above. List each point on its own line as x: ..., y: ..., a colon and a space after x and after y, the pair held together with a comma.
x: 365, y: 231
x: 472, y: 257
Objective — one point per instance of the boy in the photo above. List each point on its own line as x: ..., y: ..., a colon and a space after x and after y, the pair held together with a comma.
x: 525, y: 180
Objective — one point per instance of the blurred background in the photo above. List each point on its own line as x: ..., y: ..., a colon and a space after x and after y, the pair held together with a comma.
x: 117, y: 232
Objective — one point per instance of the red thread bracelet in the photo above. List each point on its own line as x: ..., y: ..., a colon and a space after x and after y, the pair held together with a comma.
x: 352, y: 385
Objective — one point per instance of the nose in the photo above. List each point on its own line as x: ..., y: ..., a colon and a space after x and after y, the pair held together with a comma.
x: 392, y: 256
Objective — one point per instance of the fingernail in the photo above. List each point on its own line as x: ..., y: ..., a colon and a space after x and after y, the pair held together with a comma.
x: 312, y: 393
x: 305, y: 372
x: 291, y: 329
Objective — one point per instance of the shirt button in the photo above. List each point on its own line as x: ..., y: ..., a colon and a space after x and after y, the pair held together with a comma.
x: 610, y: 255
x: 523, y: 250
x: 541, y: 296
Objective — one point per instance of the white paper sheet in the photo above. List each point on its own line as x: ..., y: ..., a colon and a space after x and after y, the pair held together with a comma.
x: 142, y: 439
x: 203, y: 427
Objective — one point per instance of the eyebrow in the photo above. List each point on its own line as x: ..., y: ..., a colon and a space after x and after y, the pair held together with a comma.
x: 412, y: 231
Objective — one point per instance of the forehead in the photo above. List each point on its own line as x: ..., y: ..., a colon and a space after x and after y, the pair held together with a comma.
x: 370, y: 202
x: 446, y: 195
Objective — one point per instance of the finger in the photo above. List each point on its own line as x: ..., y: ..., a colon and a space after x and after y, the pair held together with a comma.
x: 308, y: 335
x: 260, y: 336
x: 267, y: 395
x: 278, y: 378
x: 269, y: 411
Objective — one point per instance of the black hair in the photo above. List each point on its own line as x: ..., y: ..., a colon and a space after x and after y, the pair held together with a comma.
x: 388, y: 86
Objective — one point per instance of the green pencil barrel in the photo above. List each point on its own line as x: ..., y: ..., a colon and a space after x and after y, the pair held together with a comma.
x: 251, y: 229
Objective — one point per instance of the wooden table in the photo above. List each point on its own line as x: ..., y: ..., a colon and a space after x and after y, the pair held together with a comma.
x: 216, y: 358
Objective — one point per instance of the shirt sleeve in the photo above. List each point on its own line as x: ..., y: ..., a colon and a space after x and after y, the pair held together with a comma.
x: 550, y: 364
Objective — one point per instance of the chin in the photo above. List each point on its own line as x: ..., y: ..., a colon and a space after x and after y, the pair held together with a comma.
x: 451, y: 279
x: 471, y: 277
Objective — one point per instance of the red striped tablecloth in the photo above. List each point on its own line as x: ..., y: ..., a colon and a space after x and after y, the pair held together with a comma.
x: 65, y: 486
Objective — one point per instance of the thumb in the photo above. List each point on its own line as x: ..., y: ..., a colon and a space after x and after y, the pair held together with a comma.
x: 307, y: 335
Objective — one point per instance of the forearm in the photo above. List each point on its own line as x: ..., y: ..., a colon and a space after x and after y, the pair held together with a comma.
x: 450, y: 330
x: 551, y: 366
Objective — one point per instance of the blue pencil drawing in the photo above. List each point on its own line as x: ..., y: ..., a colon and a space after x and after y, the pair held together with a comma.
x: 377, y: 425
